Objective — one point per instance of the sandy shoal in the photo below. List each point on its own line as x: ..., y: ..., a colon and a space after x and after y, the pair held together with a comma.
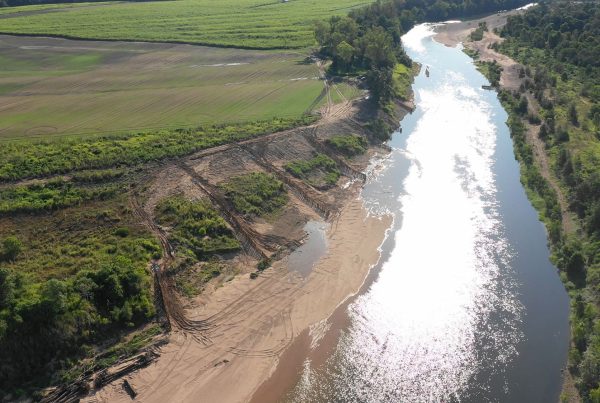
x: 254, y: 321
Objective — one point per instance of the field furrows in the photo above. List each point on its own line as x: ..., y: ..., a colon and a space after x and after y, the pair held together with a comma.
x: 57, y: 87
x: 237, y: 23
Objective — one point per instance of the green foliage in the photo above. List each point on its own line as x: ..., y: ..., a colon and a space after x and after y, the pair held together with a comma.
x: 98, y: 176
x: 558, y: 43
x: 255, y: 194
x: 45, y: 324
x: 195, y: 227
x: 190, y: 279
x: 531, y: 177
x: 25, y: 159
x: 122, y: 232
x: 11, y: 247
x: 320, y: 171
x: 76, y: 282
x: 492, y: 71
x: 349, y: 145
x: 232, y: 23
x: 380, y: 129
x: 566, y: 32
x: 52, y: 195
x: 403, y: 78
x: 122, y: 350
x: 373, y: 34
x: 263, y: 264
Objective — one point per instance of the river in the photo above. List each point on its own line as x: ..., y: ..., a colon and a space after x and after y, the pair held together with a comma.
x: 464, y: 304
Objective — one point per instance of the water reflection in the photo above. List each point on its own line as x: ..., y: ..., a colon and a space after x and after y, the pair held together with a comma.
x: 444, y: 320
x: 314, y: 247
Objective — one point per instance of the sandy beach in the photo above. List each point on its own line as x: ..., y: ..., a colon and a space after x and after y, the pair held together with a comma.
x: 255, y: 320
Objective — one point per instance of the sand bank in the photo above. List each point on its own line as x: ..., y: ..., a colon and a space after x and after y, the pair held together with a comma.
x: 254, y: 321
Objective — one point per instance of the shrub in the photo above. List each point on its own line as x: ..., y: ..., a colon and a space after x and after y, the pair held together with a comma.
x: 318, y: 169
x: 349, y: 145
x: 255, y: 194
x: 11, y: 247
x: 197, y: 227
x: 122, y: 232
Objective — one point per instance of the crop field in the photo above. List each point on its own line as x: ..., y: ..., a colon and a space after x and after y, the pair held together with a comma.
x: 54, y: 87
x: 259, y: 24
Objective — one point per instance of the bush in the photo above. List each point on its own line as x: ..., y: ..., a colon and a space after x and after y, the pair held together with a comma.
x: 319, y: 169
x: 255, y: 194
x: 349, y: 145
x: 122, y: 232
x: 11, y: 247
x: 25, y: 159
x: 534, y: 119
x: 52, y: 195
x: 263, y: 264
x: 196, y: 227
x: 42, y: 326
x: 380, y: 130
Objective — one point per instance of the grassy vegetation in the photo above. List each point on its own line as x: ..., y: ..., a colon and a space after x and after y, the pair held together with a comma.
x: 75, y: 277
x: 25, y: 159
x: 559, y: 43
x: 35, y: 8
x: 255, y: 194
x: 199, y: 234
x: 238, y: 23
x: 348, y: 145
x: 403, y: 78
x: 197, y: 230
x: 491, y: 70
x: 190, y: 278
x: 319, y: 171
x: 97, y: 175
x: 51, y: 88
x: 52, y: 195
x: 128, y: 347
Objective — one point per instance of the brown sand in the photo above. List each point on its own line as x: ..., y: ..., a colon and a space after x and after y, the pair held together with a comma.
x: 254, y: 321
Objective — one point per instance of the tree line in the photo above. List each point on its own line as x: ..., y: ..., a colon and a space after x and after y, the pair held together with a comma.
x: 559, y: 43
x: 368, y: 40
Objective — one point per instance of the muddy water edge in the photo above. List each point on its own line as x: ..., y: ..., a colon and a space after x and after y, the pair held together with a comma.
x: 464, y: 304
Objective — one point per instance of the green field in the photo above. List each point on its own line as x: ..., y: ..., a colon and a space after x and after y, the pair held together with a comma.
x: 56, y: 87
x: 260, y: 24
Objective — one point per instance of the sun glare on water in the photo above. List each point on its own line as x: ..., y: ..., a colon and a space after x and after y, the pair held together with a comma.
x: 443, y: 309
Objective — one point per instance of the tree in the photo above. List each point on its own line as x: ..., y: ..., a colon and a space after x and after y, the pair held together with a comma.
x: 322, y: 32
x: 12, y: 248
x: 522, y: 106
x: 7, y: 289
x: 379, y: 49
x: 573, y: 115
x: 381, y: 84
x: 345, y: 53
